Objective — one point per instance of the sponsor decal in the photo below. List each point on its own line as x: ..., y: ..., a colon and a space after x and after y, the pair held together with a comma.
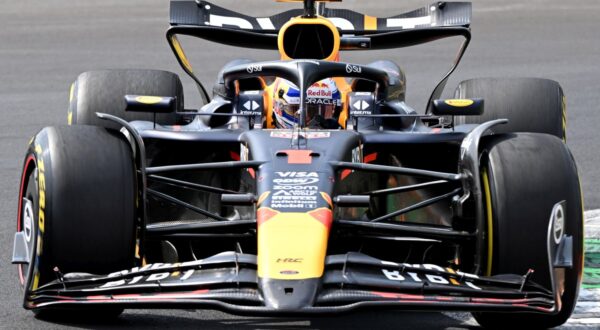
x: 254, y: 68
x: 319, y: 91
x: 295, y: 190
x: 28, y: 220
x: 409, y: 22
x: 558, y: 222
x: 350, y: 68
x: 296, y: 178
x: 41, y: 211
x: 370, y: 23
x: 42, y: 190
x: 251, y: 106
x: 265, y: 23
x: 323, y: 101
x: 361, y: 105
x: 323, y: 92
x: 342, y: 23
x: 405, y: 275
x: 360, y: 108
x: 150, y: 278
x: 218, y: 20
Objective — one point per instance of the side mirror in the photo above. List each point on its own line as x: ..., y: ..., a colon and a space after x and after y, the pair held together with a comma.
x: 458, y: 107
x: 153, y: 104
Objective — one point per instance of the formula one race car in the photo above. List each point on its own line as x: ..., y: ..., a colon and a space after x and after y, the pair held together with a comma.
x: 305, y: 185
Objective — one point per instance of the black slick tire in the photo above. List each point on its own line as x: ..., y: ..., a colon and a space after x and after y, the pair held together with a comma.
x: 524, y: 176
x: 104, y: 91
x: 83, y: 199
x: 530, y: 104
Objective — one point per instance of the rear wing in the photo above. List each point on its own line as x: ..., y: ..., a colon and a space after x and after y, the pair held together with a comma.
x: 439, y: 14
x: 358, y: 31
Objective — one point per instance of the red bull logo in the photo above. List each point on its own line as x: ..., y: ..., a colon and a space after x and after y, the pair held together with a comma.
x: 319, y: 92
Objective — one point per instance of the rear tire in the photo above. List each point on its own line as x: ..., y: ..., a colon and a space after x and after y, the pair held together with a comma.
x: 530, y: 104
x: 83, y: 200
x: 525, y: 175
x: 104, y: 91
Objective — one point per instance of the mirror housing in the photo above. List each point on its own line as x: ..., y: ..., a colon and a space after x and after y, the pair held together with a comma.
x: 152, y: 104
x: 458, y: 107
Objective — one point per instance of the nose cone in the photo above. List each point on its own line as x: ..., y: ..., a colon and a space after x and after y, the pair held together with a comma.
x: 289, y: 295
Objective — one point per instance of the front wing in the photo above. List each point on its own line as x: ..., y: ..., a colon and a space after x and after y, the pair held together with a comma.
x: 228, y: 281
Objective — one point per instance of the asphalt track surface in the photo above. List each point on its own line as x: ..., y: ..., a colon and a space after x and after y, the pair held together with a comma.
x: 44, y: 45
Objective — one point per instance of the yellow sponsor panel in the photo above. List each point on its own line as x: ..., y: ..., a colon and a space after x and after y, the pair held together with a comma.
x: 292, y: 246
x: 459, y: 102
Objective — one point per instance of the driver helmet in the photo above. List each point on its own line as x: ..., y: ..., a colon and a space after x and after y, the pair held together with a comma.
x: 323, y: 103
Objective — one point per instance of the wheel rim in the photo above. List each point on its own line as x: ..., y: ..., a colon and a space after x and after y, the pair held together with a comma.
x: 28, y: 228
x: 28, y: 222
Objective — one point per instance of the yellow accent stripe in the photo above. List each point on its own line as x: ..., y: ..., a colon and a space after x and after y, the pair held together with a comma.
x: 36, y: 281
x: 370, y: 23
x: 144, y: 99
x: 180, y: 54
x: 490, y: 222
x: 460, y: 103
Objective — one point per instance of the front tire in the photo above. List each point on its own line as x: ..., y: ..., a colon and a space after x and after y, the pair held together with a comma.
x: 524, y: 176
x: 80, y: 183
